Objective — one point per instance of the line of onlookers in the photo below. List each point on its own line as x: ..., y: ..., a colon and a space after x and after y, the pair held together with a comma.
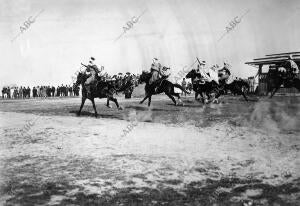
x: 15, y: 92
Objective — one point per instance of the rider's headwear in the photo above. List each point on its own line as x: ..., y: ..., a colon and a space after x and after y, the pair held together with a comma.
x: 202, y: 63
x: 155, y: 60
x: 92, y: 58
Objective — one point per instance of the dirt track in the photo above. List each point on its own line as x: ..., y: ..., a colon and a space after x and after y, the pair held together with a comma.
x: 232, y: 153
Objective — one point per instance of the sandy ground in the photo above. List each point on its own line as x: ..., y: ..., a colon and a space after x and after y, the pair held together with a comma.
x: 232, y: 153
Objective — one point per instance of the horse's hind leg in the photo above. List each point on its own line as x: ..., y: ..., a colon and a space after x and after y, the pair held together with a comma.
x: 82, y: 103
x: 141, y: 102
x: 115, y: 101
x: 94, y: 106
x: 179, y: 99
x: 107, y: 103
x: 274, y: 91
x: 172, y: 98
x: 240, y: 92
x: 244, y: 95
x: 149, y: 101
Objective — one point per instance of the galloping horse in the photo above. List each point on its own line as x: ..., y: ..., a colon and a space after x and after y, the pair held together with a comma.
x: 208, y: 87
x: 277, y: 78
x: 101, y: 90
x: 235, y: 87
x: 164, y: 86
x: 205, y: 88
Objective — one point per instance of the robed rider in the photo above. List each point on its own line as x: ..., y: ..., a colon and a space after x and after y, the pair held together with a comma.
x: 291, y: 67
x: 157, y: 71
x: 224, y: 73
x: 92, y: 71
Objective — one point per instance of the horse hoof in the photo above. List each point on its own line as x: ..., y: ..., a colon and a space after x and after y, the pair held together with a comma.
x: 140, y: 102
x: 109, y: 106
x: 77, y: 114
x: 96, y: 115
x: 120, y: 108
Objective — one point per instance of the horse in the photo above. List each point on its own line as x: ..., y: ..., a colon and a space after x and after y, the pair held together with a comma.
x: 209, y: 87
x: 101, y: 90
x: 276, y: 78
x: 235, y: 87
x: 163, y: 86
x: 202, y: 88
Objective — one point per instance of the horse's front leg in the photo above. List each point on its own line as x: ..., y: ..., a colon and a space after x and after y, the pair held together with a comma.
x: 82, y: 103
x: 179, y: 99
x: 149, y: 100
x: 107, y: 103
x: 196, y: 95
x: 171, y: 97
x: 245, y: 97
x: 141, y: 102
x: 116, y: 102
x: 274, y: 91
x: 94, y: 106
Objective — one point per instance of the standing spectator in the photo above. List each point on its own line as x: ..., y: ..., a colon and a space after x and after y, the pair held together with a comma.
x: 28, y: 92
x: 66, y: 90
x: 15, y: 94
x: 58, y: 91
x: 3, y: 92
x: 8, y: 93
x: 52, y: 91
x: 183, y: 84
x: 44, y: 91
x: 40, y: 91
x: 34, y: 92
x: 37, y: 91
x: 70, y: 91
x: 21, y: 92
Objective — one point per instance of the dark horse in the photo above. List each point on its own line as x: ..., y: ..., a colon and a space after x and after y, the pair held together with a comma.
x: 202, y: 88
x: 276, y: 79
x: 236, y: 87
x: 101, y: 90
x: 163, y: 86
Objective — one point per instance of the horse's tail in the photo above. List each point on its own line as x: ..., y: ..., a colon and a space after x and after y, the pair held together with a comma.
x: 180, y: 87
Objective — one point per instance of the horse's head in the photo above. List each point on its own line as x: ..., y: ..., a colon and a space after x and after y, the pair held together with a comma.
x: 144, y: 77
x: 81, y: 78
x: 192, y: 74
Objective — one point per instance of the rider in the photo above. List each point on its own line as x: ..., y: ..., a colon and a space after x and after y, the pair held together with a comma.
x: 291, y: 67
x: 93, y: 70
x: 203, y: 71
x: 155, y: 72
x: 224, y: 73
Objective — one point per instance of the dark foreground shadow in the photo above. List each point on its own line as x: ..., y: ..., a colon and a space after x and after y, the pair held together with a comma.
x: 226, y: 191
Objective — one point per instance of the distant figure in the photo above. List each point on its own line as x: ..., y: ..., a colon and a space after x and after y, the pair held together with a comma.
x: 34, y: 92
x: 183, y: 84
x: 21, y: 92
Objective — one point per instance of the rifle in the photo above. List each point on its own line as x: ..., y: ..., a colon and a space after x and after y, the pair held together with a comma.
x: 84, y: 65
x: 198, y: 60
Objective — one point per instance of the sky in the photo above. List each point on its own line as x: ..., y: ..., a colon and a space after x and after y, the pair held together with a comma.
x: 68, y: 32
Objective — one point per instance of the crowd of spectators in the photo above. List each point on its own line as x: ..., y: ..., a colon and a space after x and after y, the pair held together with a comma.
x: 15, y: 92
x: 22, y: 92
